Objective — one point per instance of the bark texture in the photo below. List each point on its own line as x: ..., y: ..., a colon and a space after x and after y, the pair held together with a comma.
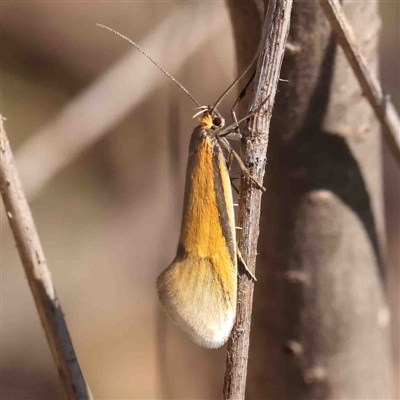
x: 320, y: 318
x: 38, y: 275
x: 254, y: 153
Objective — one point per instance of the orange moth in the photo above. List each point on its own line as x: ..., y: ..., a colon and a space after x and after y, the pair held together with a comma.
x: 199, y: 288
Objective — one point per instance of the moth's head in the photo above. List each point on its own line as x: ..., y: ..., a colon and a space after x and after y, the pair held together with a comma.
x: 210, y: 118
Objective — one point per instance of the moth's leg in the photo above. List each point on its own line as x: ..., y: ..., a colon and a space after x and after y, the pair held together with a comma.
x: 229, y: 161
x: 225, y: 144
x: 235, y: 188
x: 229, y: 130
x: 242, y: 94
x: 240, y: 258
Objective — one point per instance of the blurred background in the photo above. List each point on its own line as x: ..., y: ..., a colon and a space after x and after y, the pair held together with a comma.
x: 100, y: 137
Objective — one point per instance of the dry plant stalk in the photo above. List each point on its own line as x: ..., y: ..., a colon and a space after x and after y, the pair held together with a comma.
x: 275, y: 32
x: 320, y: 313
x: 38, y: 275
x: 381, y: 104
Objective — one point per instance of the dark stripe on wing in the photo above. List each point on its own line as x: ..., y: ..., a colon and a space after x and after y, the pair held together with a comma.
x: 221, y: 204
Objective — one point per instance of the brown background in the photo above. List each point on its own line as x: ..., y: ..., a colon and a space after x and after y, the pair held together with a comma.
x: 109, y: 221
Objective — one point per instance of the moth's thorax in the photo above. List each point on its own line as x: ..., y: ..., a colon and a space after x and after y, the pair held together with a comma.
x: 201, y: 134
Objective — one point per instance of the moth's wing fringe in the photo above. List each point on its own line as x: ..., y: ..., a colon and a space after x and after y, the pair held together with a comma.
x: 198, y: 300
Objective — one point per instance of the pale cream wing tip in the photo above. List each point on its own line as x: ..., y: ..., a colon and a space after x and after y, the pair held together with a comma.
x: 208, y: 335
x: 219, y: 335
x: 206, y: 324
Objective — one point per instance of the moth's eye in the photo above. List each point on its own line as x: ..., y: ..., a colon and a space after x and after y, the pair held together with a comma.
x: 217, y: 121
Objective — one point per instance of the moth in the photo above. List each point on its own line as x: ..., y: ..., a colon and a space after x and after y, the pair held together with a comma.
x: 199, y: 288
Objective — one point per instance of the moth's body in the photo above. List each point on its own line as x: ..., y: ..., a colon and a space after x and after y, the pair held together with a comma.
x: 198, y: 289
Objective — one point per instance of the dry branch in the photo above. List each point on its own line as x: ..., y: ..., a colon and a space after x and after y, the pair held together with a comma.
x: 381, y: 104
x: 275, y: 32
x: 38, y: 275
x: 320, y: 314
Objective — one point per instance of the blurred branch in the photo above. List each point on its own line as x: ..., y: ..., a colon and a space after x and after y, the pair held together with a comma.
x: 38, y: 275
x: 381, y: 104
x: 116, y: 93
x: 275, y: 32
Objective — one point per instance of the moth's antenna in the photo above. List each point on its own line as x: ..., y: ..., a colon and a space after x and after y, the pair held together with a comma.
x: 236, y: 80
x: 146, y: 55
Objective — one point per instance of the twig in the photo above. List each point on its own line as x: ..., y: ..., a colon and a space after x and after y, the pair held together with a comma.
x: 38, y: 275
x: 381, y: 104
x: 275, y: 32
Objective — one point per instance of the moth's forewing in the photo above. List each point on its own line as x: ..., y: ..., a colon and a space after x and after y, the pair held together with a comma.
x: 198, y: 289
